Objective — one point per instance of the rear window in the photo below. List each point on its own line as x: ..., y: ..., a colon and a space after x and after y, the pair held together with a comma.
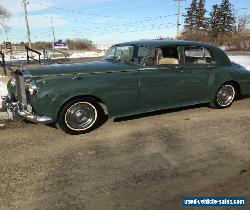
x: 198, y: 55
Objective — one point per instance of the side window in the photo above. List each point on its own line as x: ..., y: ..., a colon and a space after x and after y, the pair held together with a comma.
x: 198, y: 55
x: 124, y: 53
x: 110, y: 53
x: 163, y: 56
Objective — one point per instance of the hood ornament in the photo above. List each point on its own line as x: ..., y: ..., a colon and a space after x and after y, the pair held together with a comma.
x: 20, y: 70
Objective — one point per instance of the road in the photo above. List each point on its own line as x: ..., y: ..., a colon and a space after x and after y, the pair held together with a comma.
x: 143, y: 162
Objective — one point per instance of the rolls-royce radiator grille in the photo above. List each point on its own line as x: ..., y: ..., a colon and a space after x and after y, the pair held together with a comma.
x: 21, y: 91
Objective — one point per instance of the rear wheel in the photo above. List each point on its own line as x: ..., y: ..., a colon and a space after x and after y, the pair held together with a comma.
x: 80, y: 116
x: 224, y: 96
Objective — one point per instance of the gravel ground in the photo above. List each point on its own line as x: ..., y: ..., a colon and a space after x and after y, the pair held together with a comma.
x: 143, y: 162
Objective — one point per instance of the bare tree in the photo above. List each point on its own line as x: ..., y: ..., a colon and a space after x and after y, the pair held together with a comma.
x: 4, y: 15
x: 241, y: 37
x: 243, y: 23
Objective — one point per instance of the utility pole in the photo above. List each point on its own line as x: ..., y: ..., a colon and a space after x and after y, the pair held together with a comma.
x: 51, y: 21
x: 178, y: 19
x: 27, y: 21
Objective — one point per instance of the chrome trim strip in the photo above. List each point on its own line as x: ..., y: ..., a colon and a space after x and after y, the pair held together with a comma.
x: 149, y: 68
x: 89, y: 73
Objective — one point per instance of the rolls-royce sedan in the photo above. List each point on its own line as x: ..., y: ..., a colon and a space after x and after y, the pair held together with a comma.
x: 134, y: 77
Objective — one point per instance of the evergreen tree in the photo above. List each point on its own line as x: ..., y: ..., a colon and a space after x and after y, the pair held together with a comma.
x: 227, y: 18
x: 195, y: 18
x: 222, y: 20
x: 201, y: 20
x: 190, y: 18
x: 214, y: 21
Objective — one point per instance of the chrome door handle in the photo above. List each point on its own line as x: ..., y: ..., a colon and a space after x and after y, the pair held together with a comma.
x: 178, y: 67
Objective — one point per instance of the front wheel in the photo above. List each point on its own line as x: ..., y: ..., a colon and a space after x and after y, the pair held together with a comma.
x: 224, y: 96
x: 80, y: 116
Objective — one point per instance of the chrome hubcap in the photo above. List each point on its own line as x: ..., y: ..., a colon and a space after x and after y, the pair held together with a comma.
x: 81, y: 116
x: 226, y: 95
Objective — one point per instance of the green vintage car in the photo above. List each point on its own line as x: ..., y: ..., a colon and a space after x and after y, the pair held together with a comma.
x: 134, y: 77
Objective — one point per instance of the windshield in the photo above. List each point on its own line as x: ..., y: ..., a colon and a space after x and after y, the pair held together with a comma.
x: 128, y: 54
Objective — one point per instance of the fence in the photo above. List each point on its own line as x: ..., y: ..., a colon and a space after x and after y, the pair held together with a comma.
x: 32, y: 57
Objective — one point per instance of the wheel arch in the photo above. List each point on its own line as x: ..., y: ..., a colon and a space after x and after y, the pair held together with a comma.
x: 237, y: 87
x: 99, y: 101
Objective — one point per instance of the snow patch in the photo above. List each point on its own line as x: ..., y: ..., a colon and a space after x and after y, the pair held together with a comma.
x: 243, y: 60
x: 21, y: 56
x: 87, y: 54
x: 3, y: 91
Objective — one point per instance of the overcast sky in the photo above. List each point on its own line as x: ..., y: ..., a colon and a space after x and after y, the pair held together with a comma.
x: 102, y: 21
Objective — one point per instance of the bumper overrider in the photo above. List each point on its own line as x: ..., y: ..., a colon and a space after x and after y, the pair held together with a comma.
x: 14, y: 111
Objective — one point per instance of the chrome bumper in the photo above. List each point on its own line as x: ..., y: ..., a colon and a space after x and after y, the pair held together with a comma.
x: 14, y: 111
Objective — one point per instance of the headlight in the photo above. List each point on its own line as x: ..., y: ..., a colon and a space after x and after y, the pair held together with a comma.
x: 32, y: 88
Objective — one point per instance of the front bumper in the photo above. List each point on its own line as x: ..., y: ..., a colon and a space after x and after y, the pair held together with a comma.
x: 13, y: 110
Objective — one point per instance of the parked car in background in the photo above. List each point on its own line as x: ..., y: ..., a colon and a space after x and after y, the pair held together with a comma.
x: 134, y: 77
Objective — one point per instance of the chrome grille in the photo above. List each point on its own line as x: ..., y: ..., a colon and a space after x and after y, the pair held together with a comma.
x: 20, y: 91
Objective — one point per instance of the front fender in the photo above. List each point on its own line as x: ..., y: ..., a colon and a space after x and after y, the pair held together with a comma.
x: 52, y: 96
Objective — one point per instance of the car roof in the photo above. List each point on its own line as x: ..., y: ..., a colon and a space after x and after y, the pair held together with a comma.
x: 158, y: 43
x: 218, y: 54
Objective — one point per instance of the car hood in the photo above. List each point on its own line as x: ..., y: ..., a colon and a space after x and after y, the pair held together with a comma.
x: 82, y: 68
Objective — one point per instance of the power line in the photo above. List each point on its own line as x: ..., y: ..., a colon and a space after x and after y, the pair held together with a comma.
x: 138, y: 29
x: 154, y: 3
x: 125, y: 27
x: 108, y: 33
x: 79, y: 12
x: 103, y: 30
x: 74, y: 11
x: 120, y: 25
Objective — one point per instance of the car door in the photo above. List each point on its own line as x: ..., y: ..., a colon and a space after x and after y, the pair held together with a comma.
x: 162, y: 83
x: 199, y: 64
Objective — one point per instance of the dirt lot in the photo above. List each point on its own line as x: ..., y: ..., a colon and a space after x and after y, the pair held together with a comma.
x: 143, y: 162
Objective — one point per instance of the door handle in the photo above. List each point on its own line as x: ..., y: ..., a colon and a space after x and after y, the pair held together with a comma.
x: 181, y: 68
x: 210, y: 67
x: 178, y: 67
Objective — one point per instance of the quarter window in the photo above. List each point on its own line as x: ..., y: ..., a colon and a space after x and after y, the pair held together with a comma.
x: 198, y: 55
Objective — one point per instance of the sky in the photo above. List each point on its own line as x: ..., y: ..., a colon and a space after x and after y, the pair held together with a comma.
x: 102, y: 21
